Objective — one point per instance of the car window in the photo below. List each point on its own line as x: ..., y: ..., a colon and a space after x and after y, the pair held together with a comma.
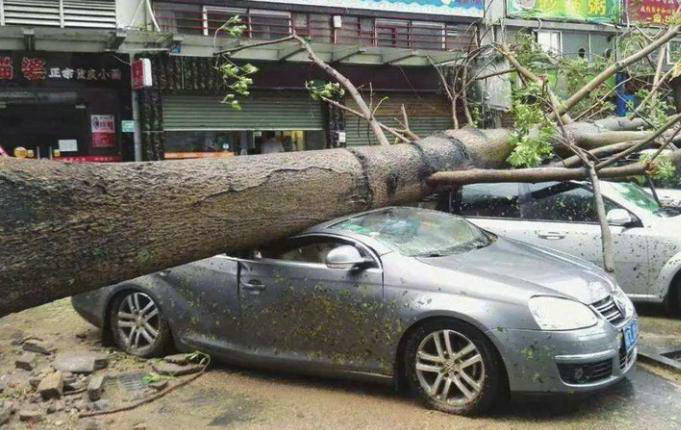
x: 417, y: 232
x: 562, y: 201
x: 306, y: 250
x: 488, y: 200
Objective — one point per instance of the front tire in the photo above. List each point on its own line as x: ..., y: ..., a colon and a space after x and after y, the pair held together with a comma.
x: 452, y: 367
x: 138, y: 326
x: 672, y: 302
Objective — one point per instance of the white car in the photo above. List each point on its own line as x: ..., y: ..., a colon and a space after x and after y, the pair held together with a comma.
x: 562, y: 216
x: 668, y: 193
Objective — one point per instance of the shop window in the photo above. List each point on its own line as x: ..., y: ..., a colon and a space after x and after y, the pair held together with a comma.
x: 575, y: 44
x: 219, y: 144
x: 392, y: 33
x: 201, y: 144
x: 356, y: 30
x: 674, y: 51
x: 215, y: 17
x: 460, y: 38
x: 269, y: 24
x: 427, y: 35
x: 180, y: 18
x: 315, y: 26
x: 550, y: 41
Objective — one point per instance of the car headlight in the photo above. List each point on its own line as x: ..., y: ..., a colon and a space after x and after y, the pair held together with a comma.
x: 623, y: 301
x: 555, y: 313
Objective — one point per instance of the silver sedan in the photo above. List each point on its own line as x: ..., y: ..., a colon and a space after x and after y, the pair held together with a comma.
x: 422, y: 298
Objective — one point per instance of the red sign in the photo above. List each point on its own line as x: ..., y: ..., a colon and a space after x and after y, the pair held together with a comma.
x: 652, y: 11
x: 33, y: 68
x: 103, y: 131
x: 91, y: 159
x: 2, y: 152
x: 103, y: 140
x: 141, y: 73
x: 6, y: 68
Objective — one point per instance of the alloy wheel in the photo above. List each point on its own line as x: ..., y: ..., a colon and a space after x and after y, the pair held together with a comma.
x: 138, y: 322
x: 450, y: 368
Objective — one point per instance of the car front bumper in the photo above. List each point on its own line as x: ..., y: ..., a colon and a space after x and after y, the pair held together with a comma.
x: 565, y: 361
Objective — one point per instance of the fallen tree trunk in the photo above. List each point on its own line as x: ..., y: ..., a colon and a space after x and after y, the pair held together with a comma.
x: 69, y: 228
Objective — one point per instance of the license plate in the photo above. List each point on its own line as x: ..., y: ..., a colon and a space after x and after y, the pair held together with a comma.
x: 630, y: 333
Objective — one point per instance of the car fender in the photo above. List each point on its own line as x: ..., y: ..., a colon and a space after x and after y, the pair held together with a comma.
x: 153, y: 285
x: 664, y: 280
x: 483, y: 314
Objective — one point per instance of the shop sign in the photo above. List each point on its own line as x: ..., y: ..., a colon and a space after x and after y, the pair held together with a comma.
x: 128, y: 126
x: 91, y: 159
x: 651, y: 11
x: 34, y: 67
x: 566, y: 10
x: 68, y: 145
x: 141, y: 73
x: 103, y: 131
x: 438, y: 7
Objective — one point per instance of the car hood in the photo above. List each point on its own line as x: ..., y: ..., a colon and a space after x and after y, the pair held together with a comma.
x: 539, y: 271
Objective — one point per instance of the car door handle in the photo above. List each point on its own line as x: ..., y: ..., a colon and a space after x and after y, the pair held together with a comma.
x: 254, y: 285
x: 551, y: 235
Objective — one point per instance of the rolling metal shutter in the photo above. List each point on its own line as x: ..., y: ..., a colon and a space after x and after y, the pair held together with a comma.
x: 260, y: 111
x: 427, y: 114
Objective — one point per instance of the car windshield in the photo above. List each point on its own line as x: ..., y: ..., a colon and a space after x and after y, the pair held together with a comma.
x: 641, y: 199
x: 418, y: 232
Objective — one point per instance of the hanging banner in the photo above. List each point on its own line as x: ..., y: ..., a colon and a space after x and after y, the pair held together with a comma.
x: 651, y: 11
x: 473, y: 8
x: 598, y: 11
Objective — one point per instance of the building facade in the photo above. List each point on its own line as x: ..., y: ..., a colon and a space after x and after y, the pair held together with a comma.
x: 65, y: 86
x: 64, y: 92
x: 385, y: 47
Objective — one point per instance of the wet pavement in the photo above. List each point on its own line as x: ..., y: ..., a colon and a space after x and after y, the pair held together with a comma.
x: 233, y: 398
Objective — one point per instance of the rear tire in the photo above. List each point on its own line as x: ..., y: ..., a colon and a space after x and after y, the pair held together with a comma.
x: 452, y: 367
x: 138, y: 326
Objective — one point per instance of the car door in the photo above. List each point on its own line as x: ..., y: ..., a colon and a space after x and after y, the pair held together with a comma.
x: 209, y: 288
x: 294, y: 307
x: 562, y: 216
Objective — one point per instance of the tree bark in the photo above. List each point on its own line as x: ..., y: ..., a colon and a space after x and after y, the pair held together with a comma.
x: 606, y: 234
x: 69, y: 228
x: 538, y: 174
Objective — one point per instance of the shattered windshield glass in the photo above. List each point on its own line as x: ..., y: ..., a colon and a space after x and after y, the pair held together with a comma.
x: 418, y: 232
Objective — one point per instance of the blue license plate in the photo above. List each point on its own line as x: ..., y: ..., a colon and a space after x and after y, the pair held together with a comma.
x: 630, y: 333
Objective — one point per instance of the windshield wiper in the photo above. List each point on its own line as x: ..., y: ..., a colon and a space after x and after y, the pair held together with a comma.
x: 431, y: 254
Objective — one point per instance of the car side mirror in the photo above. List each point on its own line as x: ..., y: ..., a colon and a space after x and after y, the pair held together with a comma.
x: 620, y: 217
x: 345, y: 257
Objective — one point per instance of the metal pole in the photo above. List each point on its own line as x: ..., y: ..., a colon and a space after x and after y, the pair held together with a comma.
x: 137, y: 135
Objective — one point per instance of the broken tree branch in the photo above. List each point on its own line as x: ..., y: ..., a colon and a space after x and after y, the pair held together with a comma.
x: 613, y: 68
x: 672, y: 120
x: 506, y: 52
x: 606, y: 234
x: 349, y: 87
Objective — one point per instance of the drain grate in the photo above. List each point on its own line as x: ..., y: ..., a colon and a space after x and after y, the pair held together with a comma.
x: 132, y: 382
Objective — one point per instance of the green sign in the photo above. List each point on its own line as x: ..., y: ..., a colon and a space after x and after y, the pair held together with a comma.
x: 566, y: 10
x: 128, y: 126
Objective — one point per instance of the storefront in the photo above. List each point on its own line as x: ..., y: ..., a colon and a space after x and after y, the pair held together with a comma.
x: 428, y: 113
x: 199, y: 126
x: 182, y: 116
x: 65, y: 106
